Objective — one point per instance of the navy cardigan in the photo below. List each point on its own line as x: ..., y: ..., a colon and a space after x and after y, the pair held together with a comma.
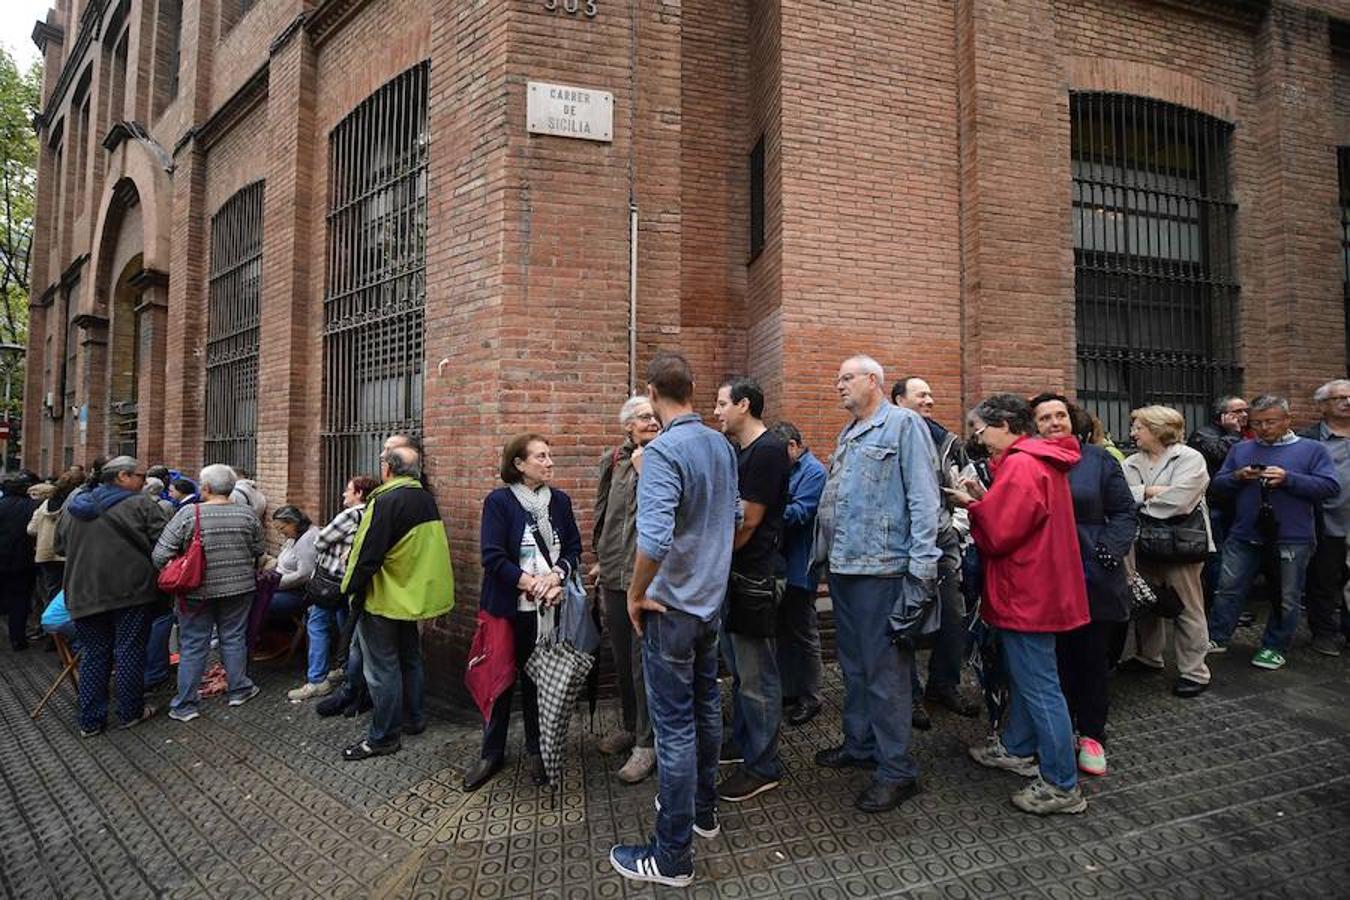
x: 503, y: 528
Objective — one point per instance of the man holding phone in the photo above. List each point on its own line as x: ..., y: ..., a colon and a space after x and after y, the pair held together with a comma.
x: 1276, y: 481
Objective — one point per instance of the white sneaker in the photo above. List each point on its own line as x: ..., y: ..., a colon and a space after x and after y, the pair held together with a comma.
x: 994, y: 755
x: 640, y: 764
x: 337, y: 676
x: 1215, y: 647
x: 310, y: 690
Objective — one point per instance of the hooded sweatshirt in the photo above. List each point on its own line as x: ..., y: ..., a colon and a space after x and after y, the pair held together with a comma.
x: 1025, y: 530
x: 106, y: 537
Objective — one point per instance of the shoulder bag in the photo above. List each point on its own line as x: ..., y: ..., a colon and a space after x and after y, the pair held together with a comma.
x: 186, y: 572
x: 1179, y: 539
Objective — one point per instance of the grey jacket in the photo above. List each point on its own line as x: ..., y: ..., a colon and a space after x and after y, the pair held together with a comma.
x: 108, y: 555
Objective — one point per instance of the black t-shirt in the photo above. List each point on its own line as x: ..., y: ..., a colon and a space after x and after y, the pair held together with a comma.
x: 763, y: 469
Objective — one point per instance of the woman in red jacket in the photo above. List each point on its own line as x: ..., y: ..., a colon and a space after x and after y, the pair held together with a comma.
x: 1033, y: 588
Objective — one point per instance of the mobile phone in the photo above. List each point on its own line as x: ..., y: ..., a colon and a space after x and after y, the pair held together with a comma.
x: 1260, y: 467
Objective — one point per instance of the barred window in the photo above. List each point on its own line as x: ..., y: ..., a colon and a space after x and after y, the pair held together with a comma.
x: 233, y: 312
x: 1155, y: 278
x: 1343, y: 169
x: 376, y: 292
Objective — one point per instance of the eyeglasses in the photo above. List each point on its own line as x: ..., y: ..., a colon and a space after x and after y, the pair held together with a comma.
x: 845, y: 379
x: 645, y: 417
x: 979, y: 431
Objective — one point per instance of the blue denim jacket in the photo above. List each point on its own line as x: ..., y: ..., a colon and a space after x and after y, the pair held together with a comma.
x: 805, y: 483
x: 882, y: 498
x: 687, y: 512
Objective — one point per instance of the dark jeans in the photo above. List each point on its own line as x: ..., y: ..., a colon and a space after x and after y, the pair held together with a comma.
x: 679, y: 658
x: 949, y: 644
x: 525, y: 626
x: 627, y: 665
x: 52, y: 575
x: 286, y: 605
x: 756, y: 701
x: 1326, y: 587
x: 16, y: 593
x: 799, y: 665
x: 392, y: 660
x: 1242, y: 560
x: 1209, y: 575
x: 157, y: 649
x: 877, y: 708
x: 116, y: 636
x: 1083, y: 658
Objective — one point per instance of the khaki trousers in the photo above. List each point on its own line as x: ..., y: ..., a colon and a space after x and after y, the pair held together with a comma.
x: 1190, y: 631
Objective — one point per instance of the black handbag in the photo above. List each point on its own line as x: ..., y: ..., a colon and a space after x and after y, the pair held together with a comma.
x: 1180, y: 539
x: 752, y: 606
x: 324, y: 589
x: 1153, y: 598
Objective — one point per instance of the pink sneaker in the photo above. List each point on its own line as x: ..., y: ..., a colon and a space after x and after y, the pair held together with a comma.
x: 1091, y: 757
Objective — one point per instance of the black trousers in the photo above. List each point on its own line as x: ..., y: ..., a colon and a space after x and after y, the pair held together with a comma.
x: 526, y: 628
x: 1083, y: 656
x: 16, y: 594
x: 1325, y: 588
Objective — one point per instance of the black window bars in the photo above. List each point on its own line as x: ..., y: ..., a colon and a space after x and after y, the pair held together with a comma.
x: 376, y: 287
x: 1155, y: 277
x: 1343, y: 171
x: 233, y: 312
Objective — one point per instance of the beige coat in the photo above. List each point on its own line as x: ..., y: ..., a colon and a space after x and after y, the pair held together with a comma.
x: 1182, y: 471
x: 43, y: 527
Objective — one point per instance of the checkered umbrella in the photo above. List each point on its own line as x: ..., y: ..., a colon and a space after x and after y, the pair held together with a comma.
x: 559, y: 670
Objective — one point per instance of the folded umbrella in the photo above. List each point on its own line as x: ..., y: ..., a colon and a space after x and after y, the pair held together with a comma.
x: 559, y: 670
x: 492, y: 662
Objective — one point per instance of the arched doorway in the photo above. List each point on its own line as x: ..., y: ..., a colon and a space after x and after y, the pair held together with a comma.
x: 124, y: 358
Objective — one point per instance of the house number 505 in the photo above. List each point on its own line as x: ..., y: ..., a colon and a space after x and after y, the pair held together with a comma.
x: 573, y: 7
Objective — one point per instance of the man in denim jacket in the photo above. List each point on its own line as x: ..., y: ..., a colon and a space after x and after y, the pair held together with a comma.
x: 877, y: 526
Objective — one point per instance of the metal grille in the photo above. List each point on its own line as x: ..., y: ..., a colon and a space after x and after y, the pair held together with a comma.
x: 1154, y: 272
x: 1343, y: 169
x: 232, y: 330
x: 373, y: 309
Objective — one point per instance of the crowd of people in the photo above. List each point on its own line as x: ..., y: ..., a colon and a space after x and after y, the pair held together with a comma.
x: 1033, y: 549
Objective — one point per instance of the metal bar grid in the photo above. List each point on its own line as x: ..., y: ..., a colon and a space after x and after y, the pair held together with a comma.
x: 234, y: 310
x: 1343, y: 174
x: 376, y: 287
x: 1155, y: 279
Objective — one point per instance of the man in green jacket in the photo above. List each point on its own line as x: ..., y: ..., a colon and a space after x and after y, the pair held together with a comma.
x: 400, y: 569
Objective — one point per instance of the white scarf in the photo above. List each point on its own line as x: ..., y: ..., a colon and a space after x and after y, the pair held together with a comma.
x: 536, y: 504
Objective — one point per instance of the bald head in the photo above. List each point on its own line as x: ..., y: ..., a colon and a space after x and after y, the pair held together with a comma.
x: 400, y: 462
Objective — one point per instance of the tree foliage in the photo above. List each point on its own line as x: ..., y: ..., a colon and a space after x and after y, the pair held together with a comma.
x: 20, y: 94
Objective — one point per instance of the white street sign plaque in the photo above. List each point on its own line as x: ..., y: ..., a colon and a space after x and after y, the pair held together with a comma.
x: 567, y: 111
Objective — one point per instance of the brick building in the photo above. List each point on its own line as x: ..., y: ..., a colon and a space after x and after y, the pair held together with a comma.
x: 270, y: 232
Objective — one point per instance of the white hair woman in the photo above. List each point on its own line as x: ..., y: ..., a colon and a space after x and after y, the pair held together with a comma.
x: 233, y: 540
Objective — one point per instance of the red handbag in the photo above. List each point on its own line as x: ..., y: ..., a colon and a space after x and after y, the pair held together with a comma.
x: 186, y: 573
x: 492, y: 662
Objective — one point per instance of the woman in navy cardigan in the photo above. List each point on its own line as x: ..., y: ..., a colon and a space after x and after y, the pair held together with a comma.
x: 530, y: 545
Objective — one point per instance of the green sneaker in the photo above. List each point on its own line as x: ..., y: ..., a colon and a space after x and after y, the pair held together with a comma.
x: 1268, y: 659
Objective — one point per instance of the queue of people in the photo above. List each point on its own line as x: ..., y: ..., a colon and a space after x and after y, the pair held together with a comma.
x: 709, y: 549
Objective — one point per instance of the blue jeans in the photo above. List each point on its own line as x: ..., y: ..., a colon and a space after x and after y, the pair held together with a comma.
x: 756, y: 701
x: 799, y: 665
x: 320, y: 626
x: 1037, y: 722
x: 285, y: 605
x: 392, y: 660
x: 877, y: 703
x: 1241, y: 562
x: 679, y: 661
x: 117, y: 635
x: 157, y: 650
x: 229, y: 617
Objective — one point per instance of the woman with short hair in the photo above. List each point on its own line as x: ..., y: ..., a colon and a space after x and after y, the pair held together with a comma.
x: 233, y: 541
x: 1033, y: 589
x: 1169, y: 479
x: 530, y: 546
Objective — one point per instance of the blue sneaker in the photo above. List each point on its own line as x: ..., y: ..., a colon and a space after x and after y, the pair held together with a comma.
x: 637, y: 862
x: 706, y: 827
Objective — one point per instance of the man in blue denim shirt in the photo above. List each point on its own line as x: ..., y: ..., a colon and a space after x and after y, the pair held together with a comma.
x: 877, y: 525
x: 686, y: 520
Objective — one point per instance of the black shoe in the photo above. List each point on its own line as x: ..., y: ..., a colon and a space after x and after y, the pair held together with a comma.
x: 538, y: 774
x: 919, y: 718
x: 18, y: 646
x: 954, y: 700
x: 836, y: 758
x: 365, y: 750
x: 742, y: 784
x: 730, y: 755
x: 880, y: 797
x: 1136, y: 666
x: 1187, y: 688
x: 335, y: 705
x: 416, y: 727
x: 803, y: 712
x: 479, y: 773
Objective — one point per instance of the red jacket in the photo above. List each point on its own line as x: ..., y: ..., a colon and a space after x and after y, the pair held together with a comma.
x: 1025, y: 531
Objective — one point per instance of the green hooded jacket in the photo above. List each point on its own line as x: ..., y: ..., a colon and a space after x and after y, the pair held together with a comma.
x: 400, y: 558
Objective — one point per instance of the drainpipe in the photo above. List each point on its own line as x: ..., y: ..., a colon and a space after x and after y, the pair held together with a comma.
x: 632, y: 293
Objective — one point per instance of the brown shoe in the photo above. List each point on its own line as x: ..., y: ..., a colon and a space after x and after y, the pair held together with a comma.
x: 618, y: 741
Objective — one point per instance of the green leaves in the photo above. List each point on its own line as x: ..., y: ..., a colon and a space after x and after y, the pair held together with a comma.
x: 20, y: 94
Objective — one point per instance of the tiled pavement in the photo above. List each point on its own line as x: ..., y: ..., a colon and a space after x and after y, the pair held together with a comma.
x: 1244, y: 792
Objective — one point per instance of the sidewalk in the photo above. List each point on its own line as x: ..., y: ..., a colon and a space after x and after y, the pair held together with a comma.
x: 1244, y: 792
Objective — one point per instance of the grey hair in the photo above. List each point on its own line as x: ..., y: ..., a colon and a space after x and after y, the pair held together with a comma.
x: 218, y: 478
x: 116, y: 466
x: 403, y: 461
x: 1269, y: 401
x: 630, y: 407
x: 869, y: 366
x: 1221, y: 405
x: 1322, y: 394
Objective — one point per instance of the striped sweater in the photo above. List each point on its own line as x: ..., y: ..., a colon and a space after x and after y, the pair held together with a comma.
x: 232, y: 538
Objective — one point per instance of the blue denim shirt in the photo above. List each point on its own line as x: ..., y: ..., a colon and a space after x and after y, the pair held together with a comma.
x: 805, y: 483
x: 879, y: 512
x: 687, y: 512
